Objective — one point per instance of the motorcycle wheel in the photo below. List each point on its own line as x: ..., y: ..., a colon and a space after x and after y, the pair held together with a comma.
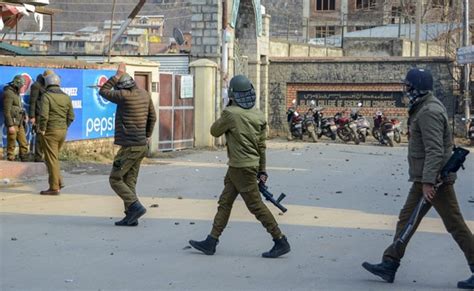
x: 375, y: 133
x: 313, y: 136
x: 389, y: 141
x: 333, y: 136
x: 361, y: 137
x: 355, y: 137
x: 397, y: 137
x: 343, y: 135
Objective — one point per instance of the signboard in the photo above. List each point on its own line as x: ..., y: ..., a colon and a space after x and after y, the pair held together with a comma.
x: 465, y: 55
x: 350, y: 99
x: 94, y: 116
x: 187, y: 85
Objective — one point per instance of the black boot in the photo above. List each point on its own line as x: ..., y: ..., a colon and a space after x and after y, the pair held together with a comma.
x: 207, y: 246
x: 132, y: 214
x: 385, y: 270
x: 280, y: 248
x: 469, y: 283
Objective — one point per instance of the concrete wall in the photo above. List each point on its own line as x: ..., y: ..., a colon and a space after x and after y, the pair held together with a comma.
x: 348, y: 75
x: 384, y: 47
x: 285, y: 49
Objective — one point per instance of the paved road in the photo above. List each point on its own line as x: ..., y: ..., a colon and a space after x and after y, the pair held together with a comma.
x: 343, y: 201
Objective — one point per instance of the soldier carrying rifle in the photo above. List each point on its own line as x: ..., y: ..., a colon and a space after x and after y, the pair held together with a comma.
x: 244, y: 128
x: 429, y: 150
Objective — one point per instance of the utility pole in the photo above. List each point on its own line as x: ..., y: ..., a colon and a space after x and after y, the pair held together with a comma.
x: 467, y: 42
x: 419, y: 7
x: 111, y: 28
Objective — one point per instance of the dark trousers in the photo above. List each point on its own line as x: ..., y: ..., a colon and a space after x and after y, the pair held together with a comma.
x: 447, y: 207
x: 123, y: 178
x: 243, y: 181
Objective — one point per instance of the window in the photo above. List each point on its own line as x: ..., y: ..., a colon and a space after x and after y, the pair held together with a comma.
x: 324, y: 31
x: 441, y: 3
x: 366, y: 4
x: 325, y: 5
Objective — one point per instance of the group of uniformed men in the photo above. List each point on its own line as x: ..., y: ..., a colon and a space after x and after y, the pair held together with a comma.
x: 50, y: 115
x: 430, y: 146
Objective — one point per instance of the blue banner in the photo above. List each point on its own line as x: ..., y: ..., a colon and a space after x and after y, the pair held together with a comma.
x: 95, y: 116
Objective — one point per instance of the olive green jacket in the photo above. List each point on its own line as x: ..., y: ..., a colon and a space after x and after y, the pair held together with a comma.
x: 37, y: 90
x: 56, y: 110
x: 12, y: 107
x: 245, y: 132
x: 430, y: 141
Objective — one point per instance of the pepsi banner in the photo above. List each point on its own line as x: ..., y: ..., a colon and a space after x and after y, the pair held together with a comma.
x: 94, y: 116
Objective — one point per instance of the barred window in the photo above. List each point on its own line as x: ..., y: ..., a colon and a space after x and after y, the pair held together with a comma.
x: 325, y: 5
x: 324, y: 31
x: 366, y: 4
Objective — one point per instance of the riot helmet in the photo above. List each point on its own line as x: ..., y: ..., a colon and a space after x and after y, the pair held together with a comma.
x: 47, y: 73
x: 125, y: 82
x: 418, y: 83
x: 52, y: 80
x: 241, y: 92
x: 18, y: 81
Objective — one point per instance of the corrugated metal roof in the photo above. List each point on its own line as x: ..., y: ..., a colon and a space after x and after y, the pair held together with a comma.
x: 14, y: 49
x: 428, y: 32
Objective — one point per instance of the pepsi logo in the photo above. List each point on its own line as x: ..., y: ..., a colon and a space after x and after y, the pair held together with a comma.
x: 28, y: 81
x: 101, y: 80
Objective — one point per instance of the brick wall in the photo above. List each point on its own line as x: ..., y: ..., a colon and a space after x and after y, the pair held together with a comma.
x: 288, y: 76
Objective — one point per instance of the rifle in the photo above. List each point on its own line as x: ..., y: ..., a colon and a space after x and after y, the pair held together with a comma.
x: 455, y: 162
x: 269, y: 196
x: 33, y: 139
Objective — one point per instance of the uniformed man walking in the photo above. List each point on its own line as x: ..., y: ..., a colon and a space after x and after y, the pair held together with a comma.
x: 430, y: 146
x: 36, y: 92
x: 134, y: 121
x: 15, y: 118
x: 57, y: 114
x: 244, y: 128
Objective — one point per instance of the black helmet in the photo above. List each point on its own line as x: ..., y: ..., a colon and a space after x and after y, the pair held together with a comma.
x: 419, y: 82
x: 40, y: 79
x: 241, y: 91
x: 125, y: 82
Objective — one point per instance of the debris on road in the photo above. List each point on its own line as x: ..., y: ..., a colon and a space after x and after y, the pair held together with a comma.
x: 154, y: 206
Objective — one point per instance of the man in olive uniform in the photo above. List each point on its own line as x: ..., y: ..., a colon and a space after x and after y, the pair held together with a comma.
x: 15, y: 118
x: 134, y: 121
x: 57, y: 114
x: 429, y: 148
x: 244, y: 127
x: 37, y: 90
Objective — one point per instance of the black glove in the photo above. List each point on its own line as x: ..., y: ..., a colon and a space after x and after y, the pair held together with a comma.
x: 262, y: 176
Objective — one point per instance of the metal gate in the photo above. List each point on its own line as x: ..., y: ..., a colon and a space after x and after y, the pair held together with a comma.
x: 176, y: 112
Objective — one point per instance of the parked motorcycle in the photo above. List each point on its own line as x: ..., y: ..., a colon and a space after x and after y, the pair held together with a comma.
x: 363, y: 125
x: 397, y: 130
x: 346, y: 128
x: 309, y: 125
x: 324, y: 125
x: 386, y: 135
x: 295, y: 121
x: 470, y: 132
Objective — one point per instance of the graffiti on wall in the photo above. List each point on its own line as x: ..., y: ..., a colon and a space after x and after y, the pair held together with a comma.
x: 277, y: 102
